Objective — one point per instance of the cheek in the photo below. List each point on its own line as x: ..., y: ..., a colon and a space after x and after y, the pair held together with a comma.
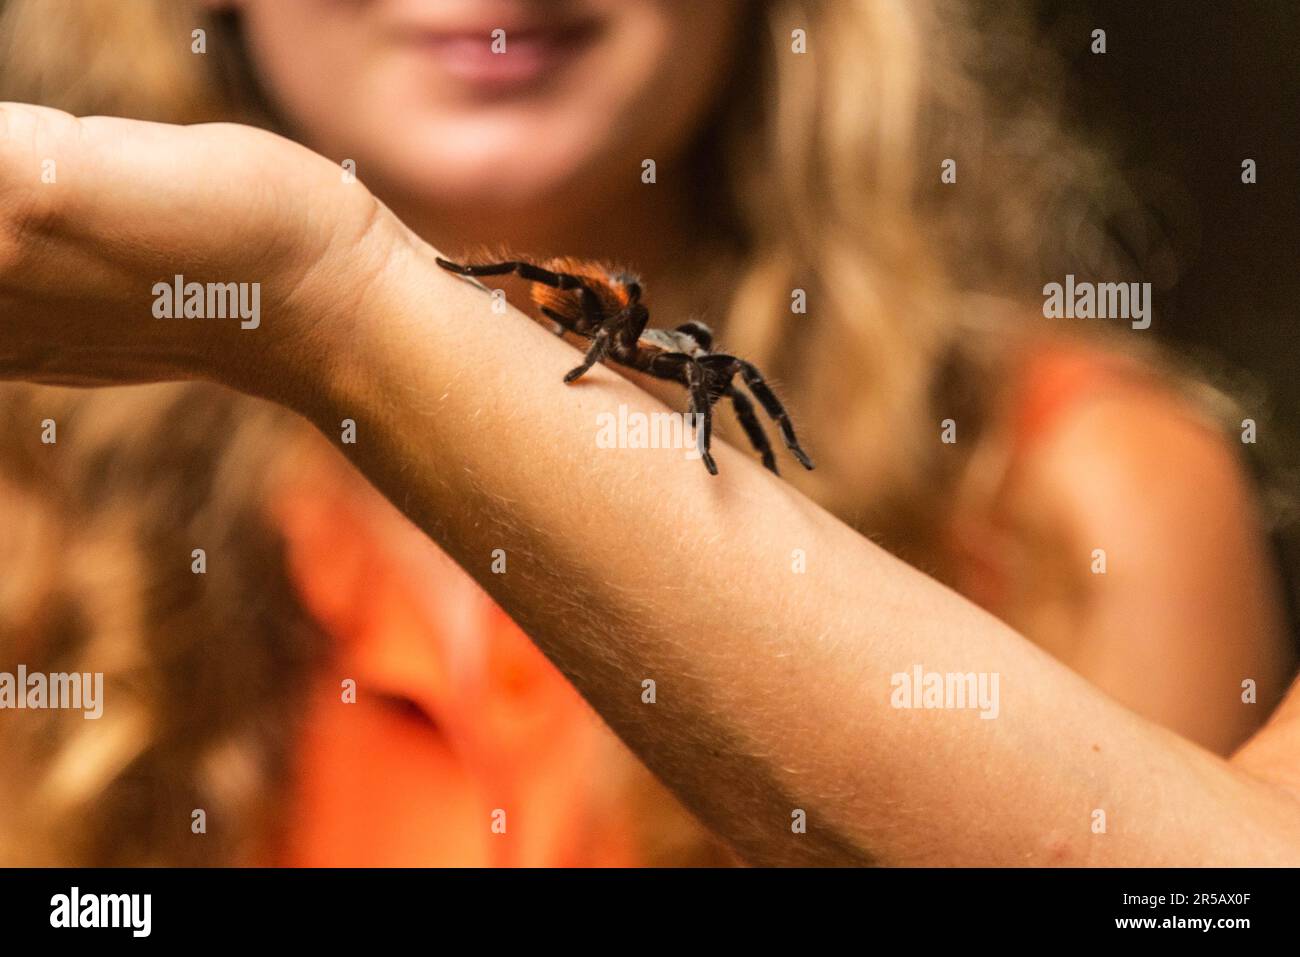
x: 683, y: 53
x: 662, y: 71
x: 315, y: 59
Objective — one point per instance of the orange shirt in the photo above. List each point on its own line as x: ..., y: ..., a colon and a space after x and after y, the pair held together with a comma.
x: 1045, y: 381
x: 465, y: 746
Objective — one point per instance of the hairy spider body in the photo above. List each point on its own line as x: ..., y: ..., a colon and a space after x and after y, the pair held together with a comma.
x: 604, y: 306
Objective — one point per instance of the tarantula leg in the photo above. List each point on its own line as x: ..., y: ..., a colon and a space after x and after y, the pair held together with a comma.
x: 620, y: 331
x: 753, y: 428
x: 597, y: 351
x: 766, y: 398
x: 772, y: 405
x: 680, y: 367
x: 702, y: 405
x: 525, y: 270
x: 532, y: 273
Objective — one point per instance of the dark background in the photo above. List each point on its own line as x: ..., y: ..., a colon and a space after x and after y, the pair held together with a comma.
x: 1186, y: 90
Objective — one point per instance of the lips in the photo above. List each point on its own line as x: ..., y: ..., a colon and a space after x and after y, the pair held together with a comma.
x: 498, y: 59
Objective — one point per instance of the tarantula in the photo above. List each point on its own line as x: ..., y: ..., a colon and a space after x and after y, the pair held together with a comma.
x: 605, y: 306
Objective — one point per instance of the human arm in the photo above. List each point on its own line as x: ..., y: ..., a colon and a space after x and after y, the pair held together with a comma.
x: 772, y: 687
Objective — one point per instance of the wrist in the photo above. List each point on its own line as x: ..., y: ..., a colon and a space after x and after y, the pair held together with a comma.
x: 318, y: 345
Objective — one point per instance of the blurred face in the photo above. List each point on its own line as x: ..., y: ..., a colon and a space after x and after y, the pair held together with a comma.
x: 503, y: 105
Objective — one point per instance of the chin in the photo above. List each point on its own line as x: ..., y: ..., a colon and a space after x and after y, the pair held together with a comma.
x: 503, y: 172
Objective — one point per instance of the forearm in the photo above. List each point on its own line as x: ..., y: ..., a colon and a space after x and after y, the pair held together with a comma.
x: 773, y: 686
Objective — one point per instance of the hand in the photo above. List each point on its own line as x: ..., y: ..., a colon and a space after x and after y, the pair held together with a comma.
x: 99, y: 215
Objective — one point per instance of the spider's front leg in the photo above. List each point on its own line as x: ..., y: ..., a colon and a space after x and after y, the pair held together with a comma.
x: 619, y: 332
x: 678, y: 366
x: 702, y: 405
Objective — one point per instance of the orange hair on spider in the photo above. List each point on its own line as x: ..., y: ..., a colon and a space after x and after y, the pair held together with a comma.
x: 612, y: 295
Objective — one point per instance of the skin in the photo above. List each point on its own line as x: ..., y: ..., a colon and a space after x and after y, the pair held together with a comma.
x: 1191, y: 595
x: 773, y: 688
